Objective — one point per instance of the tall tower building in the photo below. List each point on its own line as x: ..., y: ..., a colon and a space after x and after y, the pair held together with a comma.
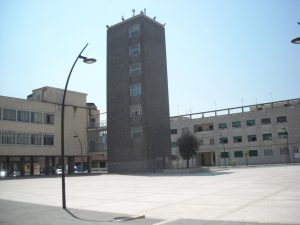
x: 138, y: 122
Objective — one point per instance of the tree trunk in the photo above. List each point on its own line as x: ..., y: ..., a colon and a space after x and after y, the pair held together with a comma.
x: 187, y: 163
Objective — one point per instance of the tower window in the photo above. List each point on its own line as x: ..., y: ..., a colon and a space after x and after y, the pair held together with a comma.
x: 135, y: 89
x: 136, y: 132
x: 134, y: 50
x: 135, y: 69
x: 136, y: 110
x: 134, y: 30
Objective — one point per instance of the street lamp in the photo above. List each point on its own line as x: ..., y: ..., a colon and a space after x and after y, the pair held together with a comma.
x: 88, y: 61
x: 297, y: 39
x: 287, y: 142
x: 81, y: 167
x: 220, y: 134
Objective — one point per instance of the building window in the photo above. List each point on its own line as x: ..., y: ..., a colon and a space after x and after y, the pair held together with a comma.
x: 282, y: 135
x: 102, y: 164
x: 135, y: 110
x: 238, y: 154
x: 236, y: 124
x: 136, y: 132
x: 48, y: 139
x: 198, y: 128
x: 281, y: 119
x: 135, y: 69
x: 36, y: 117
x: 134, y: 31
x: 173, y: 131
x: 135, y: 89
x: 237, y: 139
x: 222, y: 126
x: 267, y: 137
x: 268, y: 152
x: 48, y: 118
x: 173, y: 144
x: 134, y: 50
x: 9, y: 114
x: 211, y: 141
x: 250, y: 123
x: 22, y: 138
x: 223, y: 140
x: 283, y: 151
x: 24, y: 116
x: 224, y: 155
x: 0, y: 113
x: 252, y: 138
x: 265, y: 121
x: 203, y: 127
x: 36, y: 139
x: 253, y: 153
x: 8, y: 137
x: 200, y: 142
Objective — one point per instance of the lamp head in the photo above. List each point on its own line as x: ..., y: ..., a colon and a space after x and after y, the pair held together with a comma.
x: 87, y: 60
x: 296, y: 40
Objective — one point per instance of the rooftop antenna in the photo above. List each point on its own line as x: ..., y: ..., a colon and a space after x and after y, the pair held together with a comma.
x: 145, y: 11
x: 133, y: 12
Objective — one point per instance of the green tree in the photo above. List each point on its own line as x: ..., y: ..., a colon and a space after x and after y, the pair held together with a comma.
x: 188, y: 146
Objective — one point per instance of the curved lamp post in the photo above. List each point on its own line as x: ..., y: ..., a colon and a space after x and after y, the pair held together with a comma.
x: 88, y: 61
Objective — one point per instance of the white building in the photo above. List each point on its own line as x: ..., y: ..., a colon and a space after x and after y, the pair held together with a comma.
x: 30, y: 131
x: 255, y: 134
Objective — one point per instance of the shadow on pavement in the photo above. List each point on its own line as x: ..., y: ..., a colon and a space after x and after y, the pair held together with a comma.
x: 17, y: 213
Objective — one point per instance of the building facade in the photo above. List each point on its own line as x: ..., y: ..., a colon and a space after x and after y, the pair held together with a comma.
x: 30, y: 131
x: 256, y: 134
x: 138, y: 123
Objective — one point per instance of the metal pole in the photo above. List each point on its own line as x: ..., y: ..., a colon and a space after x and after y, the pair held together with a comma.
x: 80, y: 154
x: 287, y: 143
x: 221, y: 135
x: 62, y: 133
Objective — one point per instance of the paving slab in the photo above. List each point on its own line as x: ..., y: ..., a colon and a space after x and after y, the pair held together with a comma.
x: 264, y: 194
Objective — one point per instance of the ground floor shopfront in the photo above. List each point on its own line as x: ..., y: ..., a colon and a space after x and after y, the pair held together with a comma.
x: 239, y: 157
x: 46, y: 165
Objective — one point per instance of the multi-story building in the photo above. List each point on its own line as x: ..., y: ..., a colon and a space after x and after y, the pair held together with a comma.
x: 255, y: 134
x: 138, y: 122
x: 30, y: 132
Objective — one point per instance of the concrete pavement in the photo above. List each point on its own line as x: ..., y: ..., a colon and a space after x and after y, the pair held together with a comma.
x: 268, y: 194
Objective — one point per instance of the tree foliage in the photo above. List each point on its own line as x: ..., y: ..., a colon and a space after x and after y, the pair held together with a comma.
x: 188, y: 146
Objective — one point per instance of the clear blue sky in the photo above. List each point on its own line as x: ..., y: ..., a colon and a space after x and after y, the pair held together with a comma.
x: 220, y: 53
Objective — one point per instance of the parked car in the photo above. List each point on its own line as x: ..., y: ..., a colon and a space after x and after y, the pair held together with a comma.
x: 58, y: 171
x: 2, y: 173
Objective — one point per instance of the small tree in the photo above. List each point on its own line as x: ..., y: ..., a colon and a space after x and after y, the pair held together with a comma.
x: 188, y: 146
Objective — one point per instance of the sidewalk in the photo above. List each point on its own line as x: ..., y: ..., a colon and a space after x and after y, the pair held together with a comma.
x: 247, y: 196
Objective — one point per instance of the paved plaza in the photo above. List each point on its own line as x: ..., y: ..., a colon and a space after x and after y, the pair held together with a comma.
x: 248, y: 195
